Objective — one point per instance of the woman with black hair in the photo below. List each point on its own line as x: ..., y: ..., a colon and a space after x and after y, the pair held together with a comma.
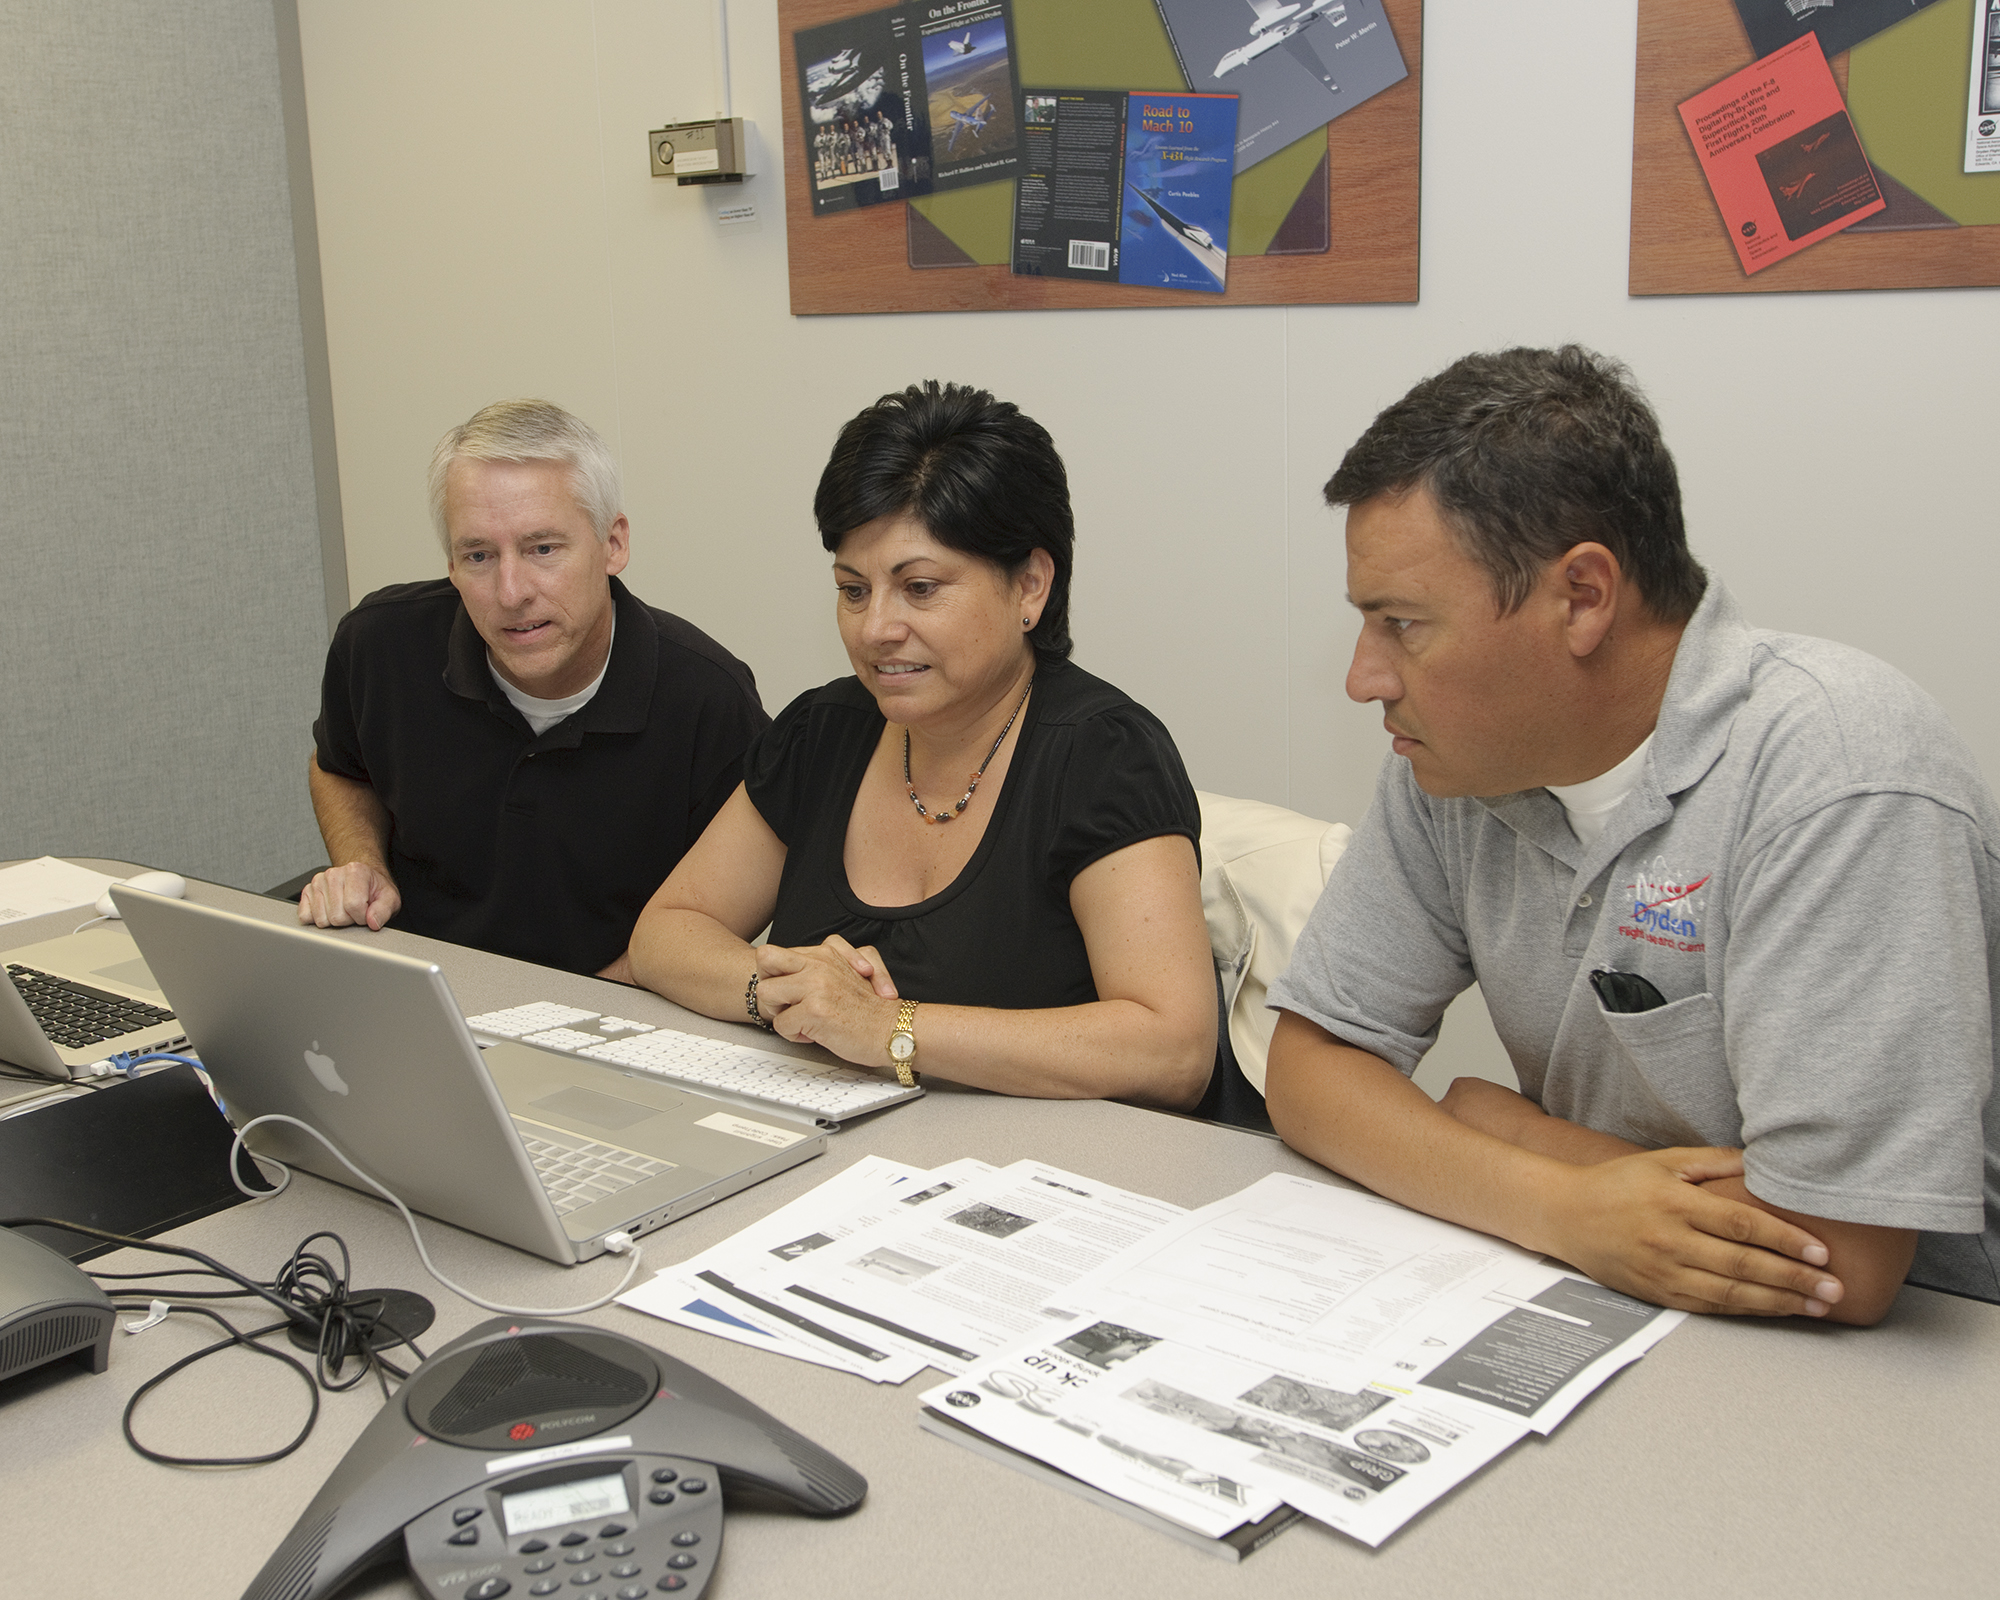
x: 974, y: 857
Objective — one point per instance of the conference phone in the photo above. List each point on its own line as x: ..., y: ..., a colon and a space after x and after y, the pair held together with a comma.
x: 532, y: 1458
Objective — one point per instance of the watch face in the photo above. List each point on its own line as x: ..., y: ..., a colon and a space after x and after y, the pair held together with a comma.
x: 901, y: 1047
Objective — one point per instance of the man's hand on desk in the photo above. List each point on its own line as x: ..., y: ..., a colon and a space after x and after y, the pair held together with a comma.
x: 1869, y: 1263
x: 358, y: 894
x: 1676, y: 1227
x: 1643, y: 1223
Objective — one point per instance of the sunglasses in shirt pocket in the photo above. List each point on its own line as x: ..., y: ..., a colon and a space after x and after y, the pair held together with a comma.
x: 1677, y: 1088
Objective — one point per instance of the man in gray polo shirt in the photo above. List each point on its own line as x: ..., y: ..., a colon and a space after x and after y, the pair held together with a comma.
x: 1729, y: 895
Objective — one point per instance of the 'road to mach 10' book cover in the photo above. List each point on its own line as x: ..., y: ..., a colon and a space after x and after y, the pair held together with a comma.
x: 1129, y: 187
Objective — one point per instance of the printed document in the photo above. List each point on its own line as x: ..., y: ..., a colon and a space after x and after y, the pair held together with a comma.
x: 33, y: 888
x: 976, y: 1270
x: 722, y: 1291
x: 1296, y: 1344
x: 1309, y: 1344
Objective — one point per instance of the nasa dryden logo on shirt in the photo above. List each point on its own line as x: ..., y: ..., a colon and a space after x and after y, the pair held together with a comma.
x: 1666, y: 908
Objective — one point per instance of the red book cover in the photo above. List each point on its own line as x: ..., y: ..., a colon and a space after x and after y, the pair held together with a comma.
x: 1780, y: 155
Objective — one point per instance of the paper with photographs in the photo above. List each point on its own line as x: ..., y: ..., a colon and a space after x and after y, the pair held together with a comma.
x: 726, y: 1291
x: 884, y: 1270
x: 972, y: 1271
x: 1306, y: 1344
x: 1312, y: 1278
x: 1212, y: 1442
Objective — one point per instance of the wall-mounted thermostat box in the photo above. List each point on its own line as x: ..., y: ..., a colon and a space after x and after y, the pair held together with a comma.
x: 710, y: 151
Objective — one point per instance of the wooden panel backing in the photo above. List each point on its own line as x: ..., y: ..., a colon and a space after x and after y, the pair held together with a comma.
x: 1679, y: 243
x: 857, y: 261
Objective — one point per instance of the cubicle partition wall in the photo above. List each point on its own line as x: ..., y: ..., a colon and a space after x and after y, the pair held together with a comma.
x: 166, y: 595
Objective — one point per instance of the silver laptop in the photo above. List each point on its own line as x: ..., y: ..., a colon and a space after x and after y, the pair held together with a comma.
x: 538, y: 1150
x: 69, y: 1002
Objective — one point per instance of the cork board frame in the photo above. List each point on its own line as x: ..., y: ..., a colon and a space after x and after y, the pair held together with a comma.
x: 1679, y: 245
x: 857, y: 261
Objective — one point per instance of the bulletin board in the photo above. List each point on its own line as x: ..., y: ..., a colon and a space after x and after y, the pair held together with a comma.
x: 1339, y: 208
x: 1905, y: 89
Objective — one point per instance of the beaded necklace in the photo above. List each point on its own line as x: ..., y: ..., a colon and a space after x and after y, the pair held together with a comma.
x: 966, y: 798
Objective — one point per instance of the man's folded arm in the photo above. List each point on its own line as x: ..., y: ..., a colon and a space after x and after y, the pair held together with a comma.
x: 1870, y: 1261
x: 356, y: 888
x: 1641, y: 1223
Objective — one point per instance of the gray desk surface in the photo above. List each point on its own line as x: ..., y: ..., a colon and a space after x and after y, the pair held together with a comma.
x: 1740, y: 1458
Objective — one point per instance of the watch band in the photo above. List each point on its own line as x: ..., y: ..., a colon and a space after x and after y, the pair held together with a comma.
x: 903, y: 1045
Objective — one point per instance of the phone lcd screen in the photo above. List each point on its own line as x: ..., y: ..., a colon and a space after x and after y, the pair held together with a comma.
x: 535, y: 1509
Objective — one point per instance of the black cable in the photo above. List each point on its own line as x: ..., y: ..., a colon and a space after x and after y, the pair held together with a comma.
x: 183, y: 1272
x: 347, y: 1322
x: 247, y: 1341
x: 292, y: 1313
x: 311, y: 1292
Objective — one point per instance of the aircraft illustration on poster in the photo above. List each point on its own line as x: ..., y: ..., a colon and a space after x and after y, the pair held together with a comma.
x: 1281, y: 23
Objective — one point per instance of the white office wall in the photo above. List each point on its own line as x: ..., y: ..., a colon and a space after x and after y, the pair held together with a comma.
x: 488, y: 227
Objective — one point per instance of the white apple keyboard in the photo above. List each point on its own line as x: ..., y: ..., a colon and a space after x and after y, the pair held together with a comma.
x: 828, y: 1092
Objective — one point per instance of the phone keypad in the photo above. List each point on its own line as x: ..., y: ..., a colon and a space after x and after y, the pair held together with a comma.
x: 666, y: 1544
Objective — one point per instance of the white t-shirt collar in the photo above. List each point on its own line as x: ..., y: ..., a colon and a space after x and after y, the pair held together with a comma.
x: 1591, y: 802
x: 542, y: 715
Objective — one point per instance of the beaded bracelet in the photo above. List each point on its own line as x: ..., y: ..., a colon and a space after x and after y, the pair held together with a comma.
x: 750, y: 1002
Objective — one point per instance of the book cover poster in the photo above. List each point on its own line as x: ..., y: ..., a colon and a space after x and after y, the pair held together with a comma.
x: 968, y: 64
x: 1125, y: 187
x: 1840, y: 24
x: 1179, y: 168
x: 1066, y: 198
x: 1295, y: 64
x: 866, y: 140
x: 1780, y: 155
x: 1982, y: 110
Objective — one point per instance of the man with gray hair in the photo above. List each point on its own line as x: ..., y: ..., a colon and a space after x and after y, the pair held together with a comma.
x: 514, y: 756
x: 1729, y: 895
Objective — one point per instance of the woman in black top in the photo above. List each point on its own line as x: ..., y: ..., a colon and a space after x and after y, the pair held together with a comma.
x: 974, y: 857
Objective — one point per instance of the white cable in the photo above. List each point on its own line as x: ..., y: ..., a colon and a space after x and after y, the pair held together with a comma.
x: 722, y: 35
x: 612, y: 1241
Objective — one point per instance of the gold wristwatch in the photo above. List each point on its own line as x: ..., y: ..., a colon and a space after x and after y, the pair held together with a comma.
x: 903, y: 1045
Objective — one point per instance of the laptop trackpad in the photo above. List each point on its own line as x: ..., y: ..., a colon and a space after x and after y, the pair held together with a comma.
x: 134, y: 973
x: 604, y: 1111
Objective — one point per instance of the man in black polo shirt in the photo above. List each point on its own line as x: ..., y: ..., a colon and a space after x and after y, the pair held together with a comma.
x: 515, y: 756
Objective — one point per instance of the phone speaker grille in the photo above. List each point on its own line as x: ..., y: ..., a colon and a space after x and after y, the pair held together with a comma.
x: 531, y: 1376
x: 290, y: 1574
x: 841, y: 1488
x: 46, y: 1338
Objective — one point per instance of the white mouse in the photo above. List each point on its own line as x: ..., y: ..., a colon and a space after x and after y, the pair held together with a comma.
x: 170, y: 884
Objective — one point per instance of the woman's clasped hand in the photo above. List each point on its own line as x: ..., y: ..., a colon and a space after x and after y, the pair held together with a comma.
x: 828, y: 994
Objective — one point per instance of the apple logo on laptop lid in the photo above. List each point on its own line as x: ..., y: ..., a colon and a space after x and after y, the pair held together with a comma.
x: 323, y: 1069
